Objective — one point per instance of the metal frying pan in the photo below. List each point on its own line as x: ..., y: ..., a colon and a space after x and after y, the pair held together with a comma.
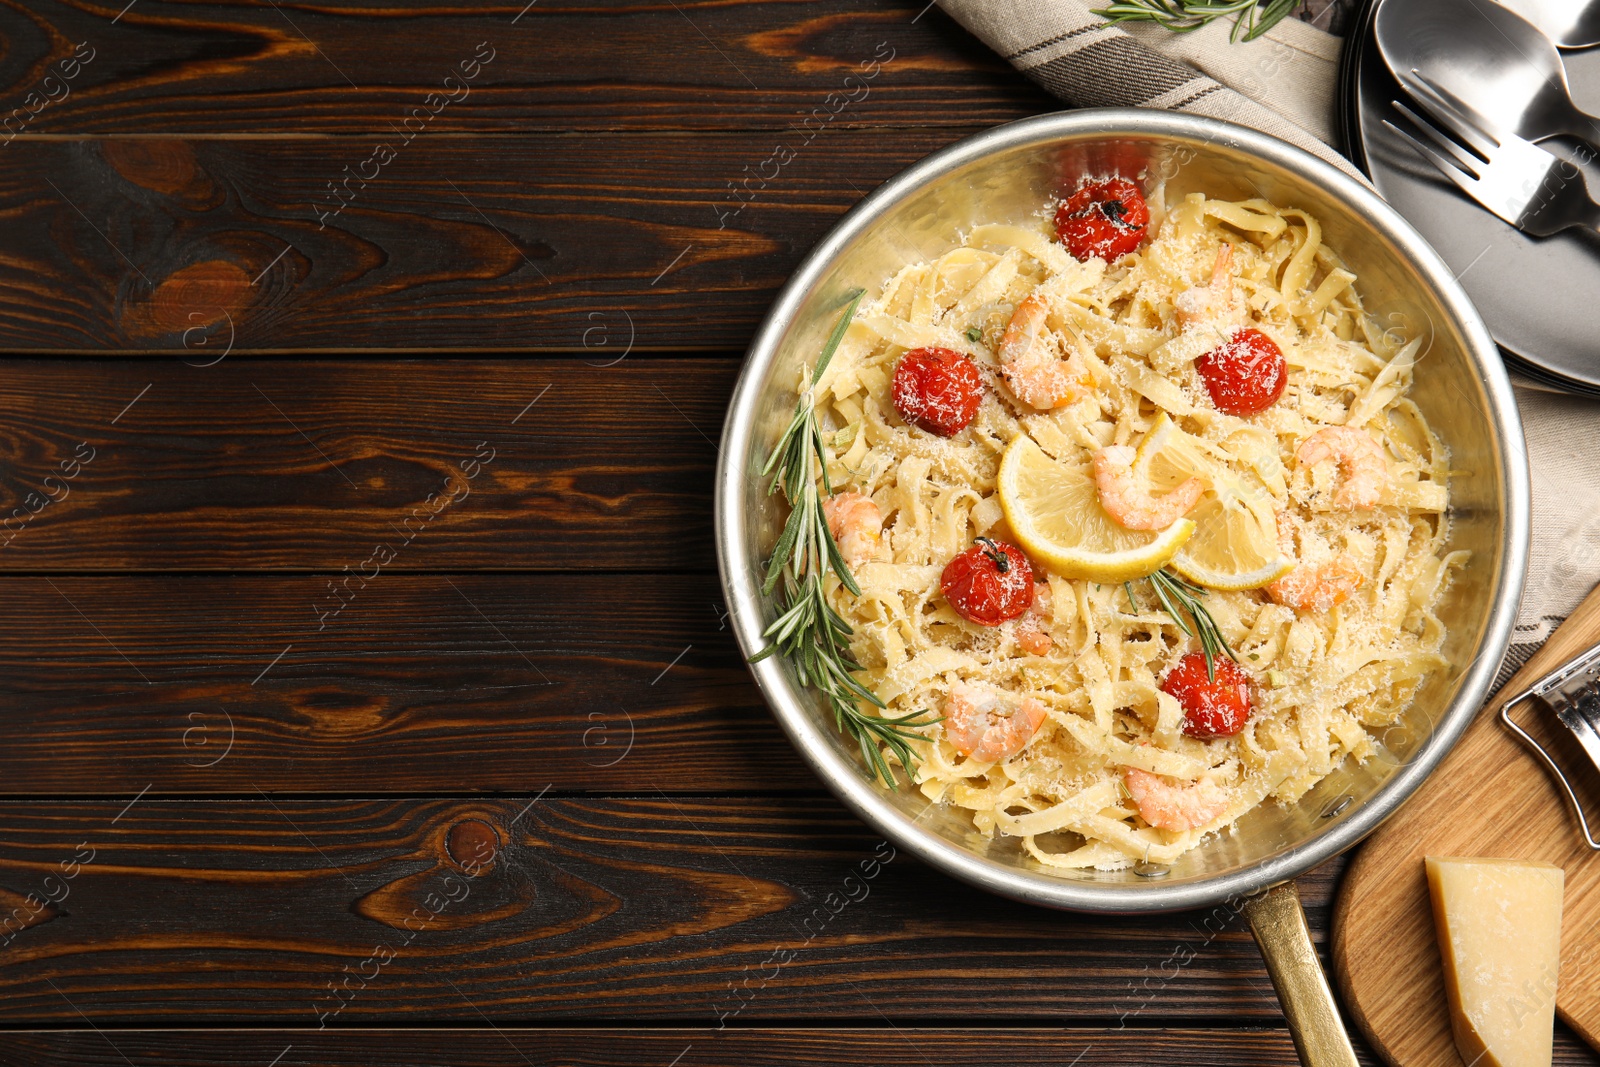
x: 1004, y: 175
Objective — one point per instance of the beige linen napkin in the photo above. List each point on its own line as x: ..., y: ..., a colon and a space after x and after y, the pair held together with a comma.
x: 1281, y: 83
x: 1284, y: 83
x: 1565, y: 561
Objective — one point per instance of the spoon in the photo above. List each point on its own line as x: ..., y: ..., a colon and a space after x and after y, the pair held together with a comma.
x: 1491, y: 57
x: 1568, y: 24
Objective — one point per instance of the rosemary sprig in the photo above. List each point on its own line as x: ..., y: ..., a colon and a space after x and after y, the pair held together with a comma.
x: 1175, y: 592
x: 1181, y: 16
x: 807, y: 630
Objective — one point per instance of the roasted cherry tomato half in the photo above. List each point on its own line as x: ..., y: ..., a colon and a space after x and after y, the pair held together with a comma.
x: 1104, y: 220
x: 1212, y: 708
x: 1246, y: 375
x: 937, y: 389
x: 988, y: 583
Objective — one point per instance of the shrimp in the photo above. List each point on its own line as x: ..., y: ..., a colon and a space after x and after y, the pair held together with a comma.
x: 1036, y: 374
x: 985, y: 724
x: 1174, y: 807
x: 1316, y: 589
x: 1129, y: 503
x: 1221, y: 303
x: 856, y: 524
x: 1360, y: 460
x: 1033, y: 629
x: 1307, y: 588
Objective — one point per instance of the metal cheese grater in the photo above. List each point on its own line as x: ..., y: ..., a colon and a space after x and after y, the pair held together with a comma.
x: 1572, y: 692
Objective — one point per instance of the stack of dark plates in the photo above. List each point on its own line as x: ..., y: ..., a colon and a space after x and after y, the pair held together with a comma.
x: 1540, y: 297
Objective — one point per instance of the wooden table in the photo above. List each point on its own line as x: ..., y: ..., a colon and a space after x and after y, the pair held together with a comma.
x: 368, y: 694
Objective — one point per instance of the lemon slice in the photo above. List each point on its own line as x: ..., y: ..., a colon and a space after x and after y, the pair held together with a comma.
x: 1054, y: 510
x: 1167, y: 456
x: 1235, y: 542
x: 1235, y: 545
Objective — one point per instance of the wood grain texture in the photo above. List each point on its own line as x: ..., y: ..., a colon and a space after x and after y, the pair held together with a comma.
x: 606, y: 209
x: 1489, y: 797
x: 240, y: 67
x: 543, y: 241
x: 221, y: 685
x: 514, y: 1046
x: 612, y: 1047
x: 702, y: 910
x: 268, y: 464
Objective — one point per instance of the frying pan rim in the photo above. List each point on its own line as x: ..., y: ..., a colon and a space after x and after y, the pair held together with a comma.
x: 867, y: 799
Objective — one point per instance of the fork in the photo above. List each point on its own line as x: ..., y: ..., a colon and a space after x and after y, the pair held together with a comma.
x: 1536, y: 191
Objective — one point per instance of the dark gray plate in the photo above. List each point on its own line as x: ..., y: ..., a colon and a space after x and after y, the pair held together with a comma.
x: 1541, y: 298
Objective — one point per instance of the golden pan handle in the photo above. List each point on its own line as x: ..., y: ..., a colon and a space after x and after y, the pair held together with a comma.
x: 1279, y: 924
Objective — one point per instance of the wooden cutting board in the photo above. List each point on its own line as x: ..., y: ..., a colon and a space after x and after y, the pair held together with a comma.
x: 1490, y: 797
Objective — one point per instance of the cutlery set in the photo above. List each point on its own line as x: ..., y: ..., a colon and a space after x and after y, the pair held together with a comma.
x: 1477, y: 121
x: 1489, y: 84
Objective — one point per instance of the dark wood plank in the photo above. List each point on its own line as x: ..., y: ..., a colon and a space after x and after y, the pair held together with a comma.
x: 707, y: 911
x: 309, y: 465
x: 222, y: 685
x: 544, y: 241
x: 515, y: 1046
x: 244, y: 67
x: 519, y: 1047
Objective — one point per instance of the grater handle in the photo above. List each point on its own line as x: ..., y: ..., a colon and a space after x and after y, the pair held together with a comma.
x: 1555, y: 768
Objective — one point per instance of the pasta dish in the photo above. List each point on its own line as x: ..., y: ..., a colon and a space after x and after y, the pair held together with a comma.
x: 1145, y: 528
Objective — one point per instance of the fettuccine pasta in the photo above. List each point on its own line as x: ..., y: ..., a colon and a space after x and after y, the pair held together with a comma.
x: 1113, y: 746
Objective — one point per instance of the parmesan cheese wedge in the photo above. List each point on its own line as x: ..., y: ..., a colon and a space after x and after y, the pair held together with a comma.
x: 1499, y: 924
